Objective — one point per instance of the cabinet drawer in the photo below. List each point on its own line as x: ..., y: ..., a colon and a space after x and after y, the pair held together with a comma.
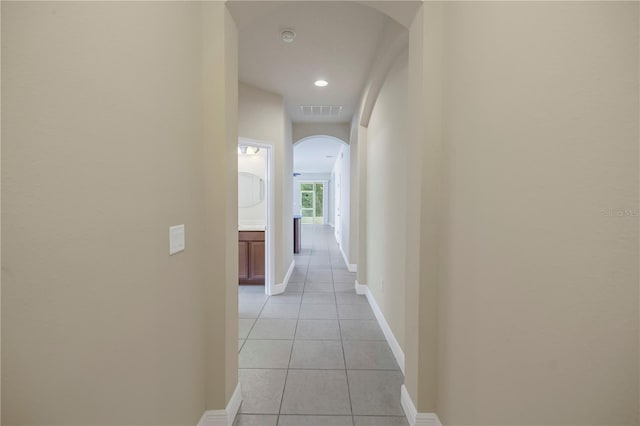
x: 251, y: 236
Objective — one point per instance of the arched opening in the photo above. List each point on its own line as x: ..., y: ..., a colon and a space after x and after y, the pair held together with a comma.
x: 316, y: 137
x: 318, y: 168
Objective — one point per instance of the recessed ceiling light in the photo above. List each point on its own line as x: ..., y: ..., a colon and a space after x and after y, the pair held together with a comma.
x: 321, y: 83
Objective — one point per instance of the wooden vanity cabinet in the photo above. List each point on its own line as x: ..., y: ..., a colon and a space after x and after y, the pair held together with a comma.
x: 251, y: 257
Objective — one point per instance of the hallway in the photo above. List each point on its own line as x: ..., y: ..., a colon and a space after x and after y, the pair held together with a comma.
x: 315, y: 355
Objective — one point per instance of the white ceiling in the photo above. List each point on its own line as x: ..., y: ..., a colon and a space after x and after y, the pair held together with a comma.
x: 311, y: 155
x: 335, y: 41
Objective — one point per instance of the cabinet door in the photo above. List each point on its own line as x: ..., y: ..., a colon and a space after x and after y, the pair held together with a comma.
x: 243, y: 260
x: 256, y: 260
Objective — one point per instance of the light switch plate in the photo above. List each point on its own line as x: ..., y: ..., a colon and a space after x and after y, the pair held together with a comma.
x: 176, y: 239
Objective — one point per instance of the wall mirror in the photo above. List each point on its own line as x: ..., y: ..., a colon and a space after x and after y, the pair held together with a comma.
x: 250, y: 189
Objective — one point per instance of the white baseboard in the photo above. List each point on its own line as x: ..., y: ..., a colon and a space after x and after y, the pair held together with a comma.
x: 224, y: 417
x: 234, y: 404
x: 361, y: 289
x: 415, y: 418
x: 427, y: 419
x: 281, y: 287
x: 214, y: 418
x: 408, y: 406
x: 352, y: 267
x: 384, y: 325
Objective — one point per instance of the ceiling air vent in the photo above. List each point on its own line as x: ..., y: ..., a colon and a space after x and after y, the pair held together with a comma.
x: 321, y: 110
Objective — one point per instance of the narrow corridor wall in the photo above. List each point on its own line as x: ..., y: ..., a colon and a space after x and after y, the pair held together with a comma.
x: 386, y: 197
x: 536, y: 153
x: 262, y: 117
x: 341, y: 177
x: 105, y: 136
x: 354, y: 215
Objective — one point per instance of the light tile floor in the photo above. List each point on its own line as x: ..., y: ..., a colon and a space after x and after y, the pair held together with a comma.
x: 315, y: 355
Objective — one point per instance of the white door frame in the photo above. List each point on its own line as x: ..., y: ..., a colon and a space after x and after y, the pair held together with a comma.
x: 269, y: 236
x: 337, y: 217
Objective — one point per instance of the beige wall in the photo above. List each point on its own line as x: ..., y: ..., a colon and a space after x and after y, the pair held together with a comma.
x: 423, y: 213
x: 393, y: 43
x: 536, y: 285
x: 341, y: 175
x: 262, y: 117
x: 103, y: 144
x: 386, y: 197
x: 359, y: 140
x: 286, y: 215
x: 353, y: 201
x: 220, y: 92
x: 305, y: 130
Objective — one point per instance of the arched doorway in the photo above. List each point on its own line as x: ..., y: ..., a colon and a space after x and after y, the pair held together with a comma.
x: 317, y: 181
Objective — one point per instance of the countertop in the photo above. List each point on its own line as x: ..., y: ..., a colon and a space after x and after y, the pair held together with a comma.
x: 251, y: 227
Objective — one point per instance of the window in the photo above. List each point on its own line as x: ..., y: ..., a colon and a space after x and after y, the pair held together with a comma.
x: 312, y: 202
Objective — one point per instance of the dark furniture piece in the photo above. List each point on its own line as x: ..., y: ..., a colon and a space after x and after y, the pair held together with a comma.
x: 251, y: 252
x: 296, y: 234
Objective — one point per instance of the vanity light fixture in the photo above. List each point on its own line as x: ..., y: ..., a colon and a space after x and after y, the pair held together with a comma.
x: 248, y: 150
x: 321, y: 83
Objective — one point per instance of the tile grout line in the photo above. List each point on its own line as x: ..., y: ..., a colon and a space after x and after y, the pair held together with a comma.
x: 344, y: 358
x: 255, y: 320
x: 286, y: 377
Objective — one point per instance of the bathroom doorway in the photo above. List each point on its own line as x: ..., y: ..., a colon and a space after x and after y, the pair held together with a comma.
x: 255, y: 215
